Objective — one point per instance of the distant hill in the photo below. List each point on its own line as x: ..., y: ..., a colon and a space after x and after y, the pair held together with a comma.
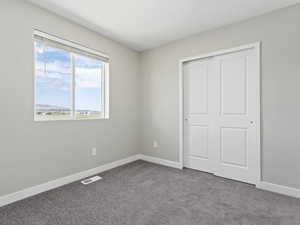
x: 51, y: 108
x: 44, y: 108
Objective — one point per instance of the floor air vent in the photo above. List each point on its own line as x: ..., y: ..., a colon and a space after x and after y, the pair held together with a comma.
x: 91, y: 180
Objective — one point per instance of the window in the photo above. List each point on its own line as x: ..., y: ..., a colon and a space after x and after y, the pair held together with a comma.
x: 71, y: 81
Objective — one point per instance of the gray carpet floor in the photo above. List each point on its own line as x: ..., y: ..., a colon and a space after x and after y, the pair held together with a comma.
x: 142, y: 193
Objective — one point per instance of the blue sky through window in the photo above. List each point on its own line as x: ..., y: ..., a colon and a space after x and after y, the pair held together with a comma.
x: 54, y: 79
x: 88, y: 73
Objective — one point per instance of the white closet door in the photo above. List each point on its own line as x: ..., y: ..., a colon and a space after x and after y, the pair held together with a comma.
x: 236, y: 130
x: 221, y: 105
x: 198, y: 115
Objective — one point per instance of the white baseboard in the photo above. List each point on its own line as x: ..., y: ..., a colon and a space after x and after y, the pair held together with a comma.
x: 284, y: 190
x: 19, y: 195
x: 280, y: 189
x: 160, y: 161
x: 28, y: 192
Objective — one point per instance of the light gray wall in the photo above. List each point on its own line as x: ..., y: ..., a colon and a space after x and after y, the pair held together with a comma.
x: 31, y: 152
x: 280, y: 36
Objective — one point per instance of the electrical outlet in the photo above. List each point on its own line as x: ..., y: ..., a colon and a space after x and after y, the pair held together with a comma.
x: 155, y: 144
x: 94, y: 151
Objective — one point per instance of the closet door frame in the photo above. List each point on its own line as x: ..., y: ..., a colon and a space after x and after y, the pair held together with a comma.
x: 254, y: 46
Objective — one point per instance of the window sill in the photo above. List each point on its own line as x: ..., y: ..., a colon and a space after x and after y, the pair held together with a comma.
x: 70, y: 119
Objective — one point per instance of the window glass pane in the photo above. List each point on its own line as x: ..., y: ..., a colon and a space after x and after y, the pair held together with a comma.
x: 88, y: 87
x: 53, y: 71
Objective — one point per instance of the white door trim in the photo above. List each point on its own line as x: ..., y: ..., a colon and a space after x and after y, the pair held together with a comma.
x: 257, y: 47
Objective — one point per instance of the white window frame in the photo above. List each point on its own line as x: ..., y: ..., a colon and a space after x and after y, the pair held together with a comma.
x: 78, y: 49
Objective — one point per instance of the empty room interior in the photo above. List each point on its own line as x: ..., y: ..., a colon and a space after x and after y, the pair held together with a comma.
x: 150, y: 112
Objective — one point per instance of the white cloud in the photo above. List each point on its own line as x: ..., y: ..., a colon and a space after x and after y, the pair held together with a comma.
x: 52, y: 70
x: 39, y: 48
x: 88, y: 77
x: 85, y: 77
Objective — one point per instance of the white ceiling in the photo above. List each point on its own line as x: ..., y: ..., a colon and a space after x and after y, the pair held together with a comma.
x: 145, y: 24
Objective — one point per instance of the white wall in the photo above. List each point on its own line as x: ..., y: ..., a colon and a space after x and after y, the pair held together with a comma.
x: 144, y: 97
x: 31, y: 152
x: 280, y: 36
